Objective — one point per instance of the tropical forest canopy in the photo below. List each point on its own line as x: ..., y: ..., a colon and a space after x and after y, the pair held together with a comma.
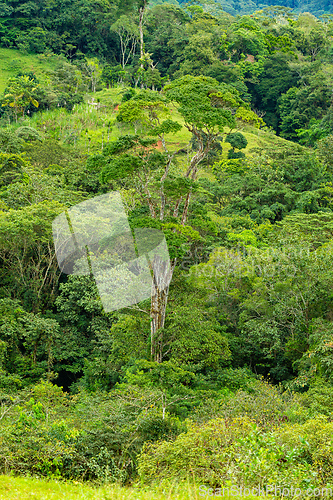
x: 217, y: 130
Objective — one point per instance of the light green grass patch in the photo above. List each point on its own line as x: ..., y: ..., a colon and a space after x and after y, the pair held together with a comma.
x: 14, y: 61
x: 23, y: 488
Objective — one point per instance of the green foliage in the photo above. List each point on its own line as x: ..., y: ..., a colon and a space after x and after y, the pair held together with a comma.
x: 249, y: 234
x: 28, y: 134
x: 68, y: 83
x: 111, y: 74
x: 287, y: 179
x: 66, y: 28
x: 19, y: 94
x: 237, y: 140
x: 213, y: 99
x: 27, y: 343
x: 10, y: 142
x: 86, y: 335
x: 238, y: 446
x: 96, y: 437
x: 26, y: 233
x: 196, y: 341
x: 297, y: 108
x: 264, y: 285
x: 11, y: 168
x: 33, y: 41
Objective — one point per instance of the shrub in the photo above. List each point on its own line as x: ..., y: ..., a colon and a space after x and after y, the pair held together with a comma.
x: 265, y: 404
x: 319, y: 399
x: 87, y: 436
x: 28, y: 134
x: 238, y: 450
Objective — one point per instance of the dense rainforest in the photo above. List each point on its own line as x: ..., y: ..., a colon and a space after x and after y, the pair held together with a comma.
x: 216, y: 129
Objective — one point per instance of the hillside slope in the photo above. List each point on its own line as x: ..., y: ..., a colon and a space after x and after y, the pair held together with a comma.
x: 14, y: 61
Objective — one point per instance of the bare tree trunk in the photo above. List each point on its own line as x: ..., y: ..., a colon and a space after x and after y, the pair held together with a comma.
x: 157, y: 315
x: 141, y: 14
x: 162, y: 271
x: 162, y: 275
x: 164, y: 176
x: 191, y: 171
x: 122, y: 49
x: 185, y: 211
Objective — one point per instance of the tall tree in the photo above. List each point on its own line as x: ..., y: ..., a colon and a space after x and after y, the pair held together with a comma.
x: 142, y: 6
x: 128, y: 34
x: 208, y: 109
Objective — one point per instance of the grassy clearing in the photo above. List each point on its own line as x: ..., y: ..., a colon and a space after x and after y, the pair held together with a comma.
x: 13, y: 62
x: 261, y: 139
x: 89, y: 128
x: 22, y: 488
x: 93, y: 123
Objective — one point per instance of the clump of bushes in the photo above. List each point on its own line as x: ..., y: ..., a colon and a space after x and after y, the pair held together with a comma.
x: 261, y: 437
x: 94, y: 437
x: 267, y: 405
x: 238, y: 451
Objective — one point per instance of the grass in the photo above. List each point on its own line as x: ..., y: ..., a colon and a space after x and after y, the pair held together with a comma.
x: 88, y: 128
x: 23, y: 488
x: 14, y: 61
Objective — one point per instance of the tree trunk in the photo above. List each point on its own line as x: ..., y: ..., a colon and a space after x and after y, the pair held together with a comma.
x: 162, y: 275
x: 141, y: 14
x: 157, y: 315
x: 185, y: 211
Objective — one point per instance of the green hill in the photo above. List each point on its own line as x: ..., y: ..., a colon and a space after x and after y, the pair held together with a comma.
x: 13, y: 61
